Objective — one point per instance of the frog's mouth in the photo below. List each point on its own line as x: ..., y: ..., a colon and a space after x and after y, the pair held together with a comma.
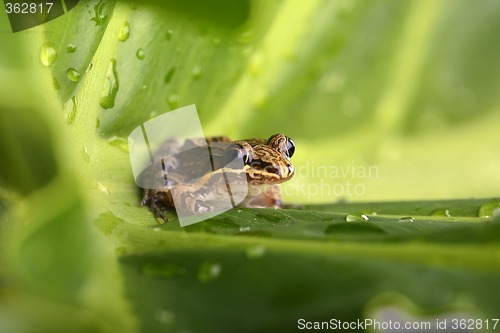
x: 268, y: 173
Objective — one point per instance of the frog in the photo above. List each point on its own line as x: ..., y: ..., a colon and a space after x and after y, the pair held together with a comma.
x: 266, y: 163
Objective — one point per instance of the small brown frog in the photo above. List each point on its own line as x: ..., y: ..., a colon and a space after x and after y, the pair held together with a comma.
x: 266, y: 163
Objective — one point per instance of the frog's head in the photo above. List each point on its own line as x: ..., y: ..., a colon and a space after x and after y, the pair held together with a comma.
x: 266, y: 162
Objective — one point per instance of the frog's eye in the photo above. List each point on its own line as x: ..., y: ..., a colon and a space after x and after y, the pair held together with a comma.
x: 290, y: 147
x: 282, y: 143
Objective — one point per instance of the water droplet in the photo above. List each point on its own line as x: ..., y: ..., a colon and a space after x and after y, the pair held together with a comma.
x: 85, y: 154
x: 119, y: 142
x: 89, y: 67
x: 244, y: 229
x: 441, y: 212
x: 73, y: 74
x: 72, y: 114
x: 124, y: 32
x: 48, y: 55
x: 140, y: 54
x: 406, y: 219
x: 70, y: 48
x: 489, y: 209
x: 255, y: 252
x: 98, y: 18
x: 216, y: 41
x: 208, y: 272
x: 357, y: 217
x: 110, y: 86
x: 196, y: 72
x: 164, y: 316
x: 173, y: 101
x: 170, y: 75
x: 169, y: 34
x: 102, y: 188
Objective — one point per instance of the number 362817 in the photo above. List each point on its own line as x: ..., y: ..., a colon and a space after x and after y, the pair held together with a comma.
x: 28, y: 7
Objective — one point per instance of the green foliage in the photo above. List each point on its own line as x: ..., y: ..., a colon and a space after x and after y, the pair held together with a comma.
x: 408, y: 87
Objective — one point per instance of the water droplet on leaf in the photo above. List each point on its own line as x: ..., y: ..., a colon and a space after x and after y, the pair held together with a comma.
x: 48, y: 55
x: 72, y: 113
x: 170, y: 75
x: 102, y: 188
x: 441, y: 212
x: 357, y: 217
x: 489, y: 209
x: 124, y: 32
x: 406, y: 219
x: 196, y: 72
x: 255, y: 252
x: 208, y: 272
x: 85, y: 154
x: 173, y: 101
x: 119, y: 142
x: 70, y: 48
x: 140, y: 54
x: 110, y: 87
x: 73, y: 74
x: 169, y: 34
x: 89, y: 67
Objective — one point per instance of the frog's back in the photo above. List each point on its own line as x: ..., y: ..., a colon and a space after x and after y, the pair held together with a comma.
x: 182, y: 161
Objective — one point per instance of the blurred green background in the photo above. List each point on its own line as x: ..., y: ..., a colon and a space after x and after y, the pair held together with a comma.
x: 386, y: 101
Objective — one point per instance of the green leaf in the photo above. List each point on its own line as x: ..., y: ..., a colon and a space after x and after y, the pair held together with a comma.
x: 31, y: 162
x: 395, y: 100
